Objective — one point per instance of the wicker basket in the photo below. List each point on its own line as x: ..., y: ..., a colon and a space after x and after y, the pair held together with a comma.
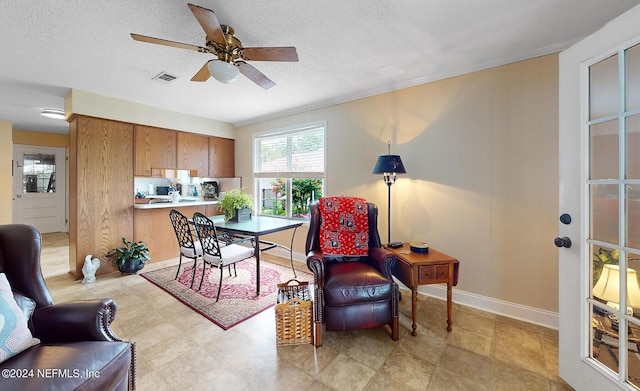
x: 294, y: 313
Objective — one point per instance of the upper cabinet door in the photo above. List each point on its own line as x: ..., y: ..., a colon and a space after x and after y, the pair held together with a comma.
x: 154, y: 148
x: 193, y: 153
x: 222, y: 157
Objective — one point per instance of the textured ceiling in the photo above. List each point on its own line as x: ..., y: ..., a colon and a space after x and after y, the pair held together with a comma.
x: 347, y: 49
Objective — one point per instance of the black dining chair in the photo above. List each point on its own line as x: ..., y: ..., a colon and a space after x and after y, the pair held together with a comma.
x: 188, y: 247
x: 216, y: 254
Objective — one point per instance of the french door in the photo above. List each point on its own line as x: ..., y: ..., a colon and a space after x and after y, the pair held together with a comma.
x: 599, y: 200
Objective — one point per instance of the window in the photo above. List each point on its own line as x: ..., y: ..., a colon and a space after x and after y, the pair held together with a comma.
x: 39, y: 173
x: 289, y: 170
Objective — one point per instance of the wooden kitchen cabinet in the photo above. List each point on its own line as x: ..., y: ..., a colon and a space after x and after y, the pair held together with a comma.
x: 213, y: 210
x: 154, y: 148
x: 193, y: 153
x: 222, y: 157
x: 100, y: 189
x: 153, y: 226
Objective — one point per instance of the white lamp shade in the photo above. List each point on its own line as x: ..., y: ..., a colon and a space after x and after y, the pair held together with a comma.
x: 608, y: 286
x: 223, y: 71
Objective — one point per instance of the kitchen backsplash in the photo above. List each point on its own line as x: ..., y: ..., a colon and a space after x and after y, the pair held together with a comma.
x: 148, y: 186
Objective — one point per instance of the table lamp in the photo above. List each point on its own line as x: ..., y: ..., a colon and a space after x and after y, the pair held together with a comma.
x: 389, y: 165
x: 608, y: 288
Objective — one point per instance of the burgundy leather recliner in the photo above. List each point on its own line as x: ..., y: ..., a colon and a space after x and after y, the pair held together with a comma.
x: 354, y: 292
x: 78, y: 350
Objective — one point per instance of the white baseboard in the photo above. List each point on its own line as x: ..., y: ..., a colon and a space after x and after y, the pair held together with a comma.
x: 500, y: 307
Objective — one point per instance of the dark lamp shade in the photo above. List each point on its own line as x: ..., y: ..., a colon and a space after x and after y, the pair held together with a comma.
x: 389, y: 164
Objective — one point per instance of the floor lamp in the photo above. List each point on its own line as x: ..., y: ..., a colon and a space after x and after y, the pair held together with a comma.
x: 389, y: 165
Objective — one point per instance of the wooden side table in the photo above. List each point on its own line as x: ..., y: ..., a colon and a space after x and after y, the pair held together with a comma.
x: 415, y: 269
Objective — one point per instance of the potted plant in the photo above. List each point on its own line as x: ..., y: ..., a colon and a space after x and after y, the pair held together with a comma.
x: 131, y: 257
x: 236, y: 205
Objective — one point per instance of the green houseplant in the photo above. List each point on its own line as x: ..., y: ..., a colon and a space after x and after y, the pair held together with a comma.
x: 131, y: 257
x: 237, y: 205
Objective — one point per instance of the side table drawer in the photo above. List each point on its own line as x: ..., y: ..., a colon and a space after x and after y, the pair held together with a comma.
x: 433, y: 274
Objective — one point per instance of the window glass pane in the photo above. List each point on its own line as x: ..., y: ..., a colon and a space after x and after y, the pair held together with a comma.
x: 633, y: 147
x: 39, y: 173
x: 603, y: 83
x: 273, y: 196
x: 604, y: 150
x: 301, y: 151
x: 271, y: 154
x: 307, y: 153
x: 604, y: 213
x: 303, y: 192
x: 633, y: 78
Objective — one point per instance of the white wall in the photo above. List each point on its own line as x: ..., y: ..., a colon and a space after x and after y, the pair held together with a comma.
x: 481, y: 155
x: 86, y: 103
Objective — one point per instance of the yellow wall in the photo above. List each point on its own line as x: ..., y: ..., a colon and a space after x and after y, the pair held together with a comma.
x: 27, y: 137
x: 6, y: 159
x: 481, y: 153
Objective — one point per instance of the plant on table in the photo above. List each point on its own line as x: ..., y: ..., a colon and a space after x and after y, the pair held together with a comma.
x: 233, y: 200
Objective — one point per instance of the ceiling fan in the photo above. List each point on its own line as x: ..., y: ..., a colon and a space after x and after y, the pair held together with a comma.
x: 231, y: 56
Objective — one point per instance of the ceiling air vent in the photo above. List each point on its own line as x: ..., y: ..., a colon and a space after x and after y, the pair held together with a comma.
x: 164, y: 77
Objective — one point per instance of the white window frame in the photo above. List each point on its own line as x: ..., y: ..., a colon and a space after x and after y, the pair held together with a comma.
x: 288, y: 175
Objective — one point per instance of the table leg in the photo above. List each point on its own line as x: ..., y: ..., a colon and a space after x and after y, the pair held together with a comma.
x: 414, y: 307
x: 257, y: 255
x: 449, y: 299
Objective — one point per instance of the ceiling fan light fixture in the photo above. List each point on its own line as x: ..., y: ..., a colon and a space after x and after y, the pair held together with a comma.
x: 53, y: 113
x: 223, y: 71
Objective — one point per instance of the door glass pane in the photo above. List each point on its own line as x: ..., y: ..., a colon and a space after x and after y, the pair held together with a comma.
x: 39, y: 173
x: 603, y: 84
x: 633, y: 216
x: 633, y: 304
x: 604, y: 213
x: 602, y: 260
x: 604, y: 150
x: 633, y: 354
x: 633, y: 147
x: 633, y: 78
x: 604, y: 347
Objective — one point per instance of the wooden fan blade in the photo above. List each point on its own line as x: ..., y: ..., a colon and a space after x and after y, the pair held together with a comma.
x: 209, y: 23
x: 255, y: 75
x: 287, y: 53
x: 159, y: 41
x: 203, y: 74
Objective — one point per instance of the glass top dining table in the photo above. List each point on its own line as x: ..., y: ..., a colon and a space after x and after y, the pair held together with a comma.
x: 254, y: 228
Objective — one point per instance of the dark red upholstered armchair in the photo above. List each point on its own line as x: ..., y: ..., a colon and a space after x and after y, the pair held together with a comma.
x: 351, y: 291
x: 76, y: 341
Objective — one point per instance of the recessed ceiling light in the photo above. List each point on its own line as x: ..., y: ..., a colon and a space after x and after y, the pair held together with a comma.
x: 53, y: 113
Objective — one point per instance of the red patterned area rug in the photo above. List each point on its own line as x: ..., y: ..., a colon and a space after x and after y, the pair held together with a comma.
x: 238, y: 301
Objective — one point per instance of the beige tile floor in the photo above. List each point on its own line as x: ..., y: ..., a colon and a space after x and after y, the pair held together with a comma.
x: 180, y: 350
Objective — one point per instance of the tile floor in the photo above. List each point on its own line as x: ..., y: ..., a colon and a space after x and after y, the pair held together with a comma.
x: 180, y: 350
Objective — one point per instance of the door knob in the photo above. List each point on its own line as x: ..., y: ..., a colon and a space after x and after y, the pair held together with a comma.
x: 562, y: 242
x: 565, y: 218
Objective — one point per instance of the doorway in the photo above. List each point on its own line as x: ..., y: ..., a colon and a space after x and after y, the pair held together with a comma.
x: 39, y: 188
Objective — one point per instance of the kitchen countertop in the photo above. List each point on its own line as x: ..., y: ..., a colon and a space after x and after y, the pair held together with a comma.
x: 157, y: 202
